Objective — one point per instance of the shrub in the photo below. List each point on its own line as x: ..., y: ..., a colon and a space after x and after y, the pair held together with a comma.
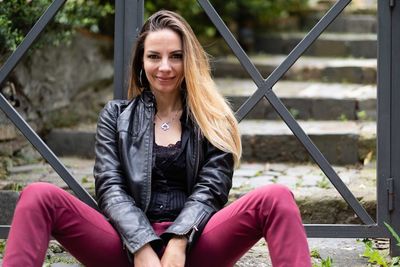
x: 18, y: 16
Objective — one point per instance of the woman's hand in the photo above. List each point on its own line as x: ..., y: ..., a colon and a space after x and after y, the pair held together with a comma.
x: 175, y: 252
x: 146, y: 257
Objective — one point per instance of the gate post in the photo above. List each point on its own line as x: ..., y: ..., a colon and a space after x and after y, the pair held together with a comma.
x: 128, y: 21
x: 395, y: 118
x: 388, y: 202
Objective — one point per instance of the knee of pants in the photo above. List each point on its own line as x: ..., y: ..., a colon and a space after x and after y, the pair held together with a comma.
x: 277, y: 195
x: 38, y: 194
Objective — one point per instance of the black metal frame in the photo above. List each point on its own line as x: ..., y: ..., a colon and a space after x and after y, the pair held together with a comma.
x: 129, y: 18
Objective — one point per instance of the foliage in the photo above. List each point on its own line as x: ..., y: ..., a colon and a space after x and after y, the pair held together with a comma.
x: 394, y: 234
x: 18, y: 16
x: 373, y: 255
x: 376, y: 257
x: 328, y: 262
x: 236, y: 13
x: 2, y: 246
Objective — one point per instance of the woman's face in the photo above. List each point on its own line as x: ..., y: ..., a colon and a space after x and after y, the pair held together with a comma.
x: 163, y: 61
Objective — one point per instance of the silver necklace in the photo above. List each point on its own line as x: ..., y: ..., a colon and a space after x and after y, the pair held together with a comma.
x: 166, y: 125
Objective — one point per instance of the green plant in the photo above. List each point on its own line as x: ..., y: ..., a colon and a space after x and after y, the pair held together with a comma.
x: 17, y: 187
x: 320, y: 261
x: 324, y: 183
x: 2, y: 246
x: 362, y: 115
x: 18, y: 16
x: 394, y: 234
x: 295, y: 112
x: 343, y: 117
x: 84, y: 180
x: 299, y: 182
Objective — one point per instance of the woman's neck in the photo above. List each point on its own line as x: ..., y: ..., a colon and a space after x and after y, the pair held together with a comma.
x: 168, y: 103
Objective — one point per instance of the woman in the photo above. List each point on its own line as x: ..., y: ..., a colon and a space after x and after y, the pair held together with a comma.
x: 164, y: 164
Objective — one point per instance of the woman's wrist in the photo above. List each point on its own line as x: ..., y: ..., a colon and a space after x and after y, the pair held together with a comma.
x: 178, y: 240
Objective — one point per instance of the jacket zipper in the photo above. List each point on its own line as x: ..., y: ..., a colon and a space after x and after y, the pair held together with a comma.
x: 150, y: 155
x: 193, y: 227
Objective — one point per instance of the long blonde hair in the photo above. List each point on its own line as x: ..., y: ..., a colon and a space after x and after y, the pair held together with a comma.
x: 206, y: 105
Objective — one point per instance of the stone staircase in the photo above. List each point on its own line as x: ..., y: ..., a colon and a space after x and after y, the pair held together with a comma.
x: 331, y: 91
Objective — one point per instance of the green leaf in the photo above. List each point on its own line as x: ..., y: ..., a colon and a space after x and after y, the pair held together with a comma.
x: 393, y: 232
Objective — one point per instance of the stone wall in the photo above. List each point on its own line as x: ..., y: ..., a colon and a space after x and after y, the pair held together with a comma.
x: 56, y: 87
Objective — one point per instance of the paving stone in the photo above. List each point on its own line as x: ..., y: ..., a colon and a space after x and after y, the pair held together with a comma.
x: 289, y: 181
x: 272, y: 173
x: 246, y: 172
x: 261, y: 180
x: 298, y: 171
x: 310, y: 180
x: 239, y: 182
x: 27, y: 168
x: 278, y: 167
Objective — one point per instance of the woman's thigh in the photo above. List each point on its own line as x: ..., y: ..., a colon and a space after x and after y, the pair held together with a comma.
x: 46, y: 210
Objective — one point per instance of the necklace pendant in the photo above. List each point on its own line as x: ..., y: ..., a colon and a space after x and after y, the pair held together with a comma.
x: 165, y: 126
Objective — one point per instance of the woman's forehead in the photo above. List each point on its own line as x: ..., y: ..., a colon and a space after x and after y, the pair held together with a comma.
x: 163, y: 39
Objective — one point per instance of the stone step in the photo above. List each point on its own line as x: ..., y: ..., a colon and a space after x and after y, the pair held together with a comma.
x: 359, y: 45
x: 314, y: 193
x: 342, y: 142
x: 305, y: 100
x: 349, y: 23
x: 336, y: 70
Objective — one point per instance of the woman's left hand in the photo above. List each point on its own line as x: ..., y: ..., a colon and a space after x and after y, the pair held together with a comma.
x: 175, y: 252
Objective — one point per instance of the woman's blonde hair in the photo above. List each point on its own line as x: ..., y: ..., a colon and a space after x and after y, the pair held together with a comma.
x: 206, y: 105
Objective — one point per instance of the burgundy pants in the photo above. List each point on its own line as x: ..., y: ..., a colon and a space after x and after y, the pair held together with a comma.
x: 45, y: 210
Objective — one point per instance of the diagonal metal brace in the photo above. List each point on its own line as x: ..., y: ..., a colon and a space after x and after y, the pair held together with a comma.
x: 21, y: 124
x: 296, y: 53
x: 318, y: 157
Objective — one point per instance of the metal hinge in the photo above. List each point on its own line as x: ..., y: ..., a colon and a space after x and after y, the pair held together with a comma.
x: 392, y: 3
x: 390, y: 191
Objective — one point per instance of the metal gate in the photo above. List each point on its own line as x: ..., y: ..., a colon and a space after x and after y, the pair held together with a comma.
x: 129, y: 18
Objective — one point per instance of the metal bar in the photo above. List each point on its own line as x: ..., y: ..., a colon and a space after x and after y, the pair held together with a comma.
x: 344, y: 231
x: 384, y: 146
x: 395, y: 121
x: 232, y: 42
x: 119, y: 49
x: 45, y: 151
x: 29, y: 39
x: 4, y: 230
x: 128, y: 21
x: 293, y: 56
x: 250, y: 103
x: 134, y: 11
x: 318, y: 157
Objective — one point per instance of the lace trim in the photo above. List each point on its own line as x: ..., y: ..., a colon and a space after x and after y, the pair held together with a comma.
x: 170, y: 147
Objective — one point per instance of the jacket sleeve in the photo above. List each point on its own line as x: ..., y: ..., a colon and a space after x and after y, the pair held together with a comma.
x: 111, y: 189
x: 210, y: 194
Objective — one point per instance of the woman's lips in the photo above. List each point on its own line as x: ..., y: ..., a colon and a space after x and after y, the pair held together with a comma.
x: 165, y: 79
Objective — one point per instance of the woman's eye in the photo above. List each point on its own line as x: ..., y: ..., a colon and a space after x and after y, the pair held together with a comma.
x: 152, y: 57
x: 177, y: 56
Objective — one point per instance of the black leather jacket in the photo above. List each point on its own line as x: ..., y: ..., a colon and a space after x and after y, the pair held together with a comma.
x: 122, y: 171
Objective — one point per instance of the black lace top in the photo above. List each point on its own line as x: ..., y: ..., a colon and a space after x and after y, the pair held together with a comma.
x: 169, y: 189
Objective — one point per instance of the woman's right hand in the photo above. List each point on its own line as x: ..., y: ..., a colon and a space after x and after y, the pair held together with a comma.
x: 146, y: 257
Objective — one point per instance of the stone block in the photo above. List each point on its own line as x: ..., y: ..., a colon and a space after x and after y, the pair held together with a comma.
x: 8, y: 200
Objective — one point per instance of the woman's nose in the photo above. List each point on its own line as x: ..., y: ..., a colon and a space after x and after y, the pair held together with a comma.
x: 165, y: 65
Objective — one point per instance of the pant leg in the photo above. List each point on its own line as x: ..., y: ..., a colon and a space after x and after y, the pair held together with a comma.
x: 45, y: 210
x: 268, y: 212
